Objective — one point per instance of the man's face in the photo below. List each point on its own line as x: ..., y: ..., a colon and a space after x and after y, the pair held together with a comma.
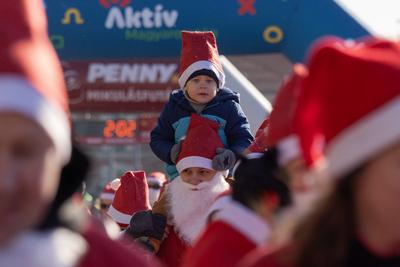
x: 196, y: 175
x: 29, y: 174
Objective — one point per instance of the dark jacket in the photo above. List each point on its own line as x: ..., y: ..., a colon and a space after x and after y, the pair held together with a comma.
x: 174, y: 121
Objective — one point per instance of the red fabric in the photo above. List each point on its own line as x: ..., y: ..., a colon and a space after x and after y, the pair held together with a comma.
x: 280, y: 123
x: 266, y: 257
x: 282, y: 115
x: 198, y: 46
x: 344, y: 74
x: 219, y: 246
x: 103, y: 251
x: 258, y: 145
x: 26, y: 50
x: 172, y: 249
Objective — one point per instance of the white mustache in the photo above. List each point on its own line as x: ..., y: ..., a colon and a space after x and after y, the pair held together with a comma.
x: 200, y: 186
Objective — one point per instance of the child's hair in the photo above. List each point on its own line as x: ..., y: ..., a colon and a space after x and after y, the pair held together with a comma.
x: 205, y: 72
x: 255, y: 176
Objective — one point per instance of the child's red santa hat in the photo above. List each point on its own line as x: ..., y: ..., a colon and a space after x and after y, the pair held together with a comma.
x: 199, y: 51
x: 350, y: 103
x: 132, y: 196
x: 281, y: 120
x: 110, y: 189
x: 31, y: 78
x: 200, y: 145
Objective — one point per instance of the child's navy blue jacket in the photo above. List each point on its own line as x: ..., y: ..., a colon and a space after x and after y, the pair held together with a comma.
x: 173, y: 123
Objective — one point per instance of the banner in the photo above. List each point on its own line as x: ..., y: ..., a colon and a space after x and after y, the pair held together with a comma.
x: 120, y: 86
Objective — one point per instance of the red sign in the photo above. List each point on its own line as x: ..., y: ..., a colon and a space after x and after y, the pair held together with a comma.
x: 120, y: 86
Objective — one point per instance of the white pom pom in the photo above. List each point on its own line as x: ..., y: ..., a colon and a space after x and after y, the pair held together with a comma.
x: 115, y: 184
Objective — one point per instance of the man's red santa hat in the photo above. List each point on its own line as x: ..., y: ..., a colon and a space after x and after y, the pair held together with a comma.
x: 110, y: 189
x: 132, y: 196
x: 31, y: 78
x: 199, y: 51
x: 200, y: 144
x: 350, y: 103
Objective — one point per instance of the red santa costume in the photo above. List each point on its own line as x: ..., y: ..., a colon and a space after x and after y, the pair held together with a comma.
x: 334, y: 142
x: 234, y: 231
x: 32, y: 85
x: 189, y: 204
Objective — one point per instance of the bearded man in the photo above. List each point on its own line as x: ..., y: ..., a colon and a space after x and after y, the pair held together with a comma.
x: 186, y: 200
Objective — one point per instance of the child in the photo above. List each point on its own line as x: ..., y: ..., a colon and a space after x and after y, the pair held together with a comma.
x: 202, y: 92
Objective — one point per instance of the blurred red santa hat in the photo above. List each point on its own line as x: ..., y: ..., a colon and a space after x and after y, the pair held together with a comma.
x: 199, y: 51
x: 110, y: 189
x: 200, y: 144
x: 31, y: 78
x: 132, y: 196
x: 281, y: 120
x: 350, y: 103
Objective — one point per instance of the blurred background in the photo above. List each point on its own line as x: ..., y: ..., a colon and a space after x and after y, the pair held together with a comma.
x: 121, y: 60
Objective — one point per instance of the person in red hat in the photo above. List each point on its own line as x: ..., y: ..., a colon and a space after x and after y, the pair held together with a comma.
x: 350, y: 136
x: 202, y: 92
x: 188, y: 197
x: 132, y: 196
x: 155, y: 181
x: 39, y: 168
x: 107, y: 195
x: 245, y: 220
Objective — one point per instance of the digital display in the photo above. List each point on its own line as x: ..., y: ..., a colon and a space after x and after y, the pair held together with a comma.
x: 114, y: 131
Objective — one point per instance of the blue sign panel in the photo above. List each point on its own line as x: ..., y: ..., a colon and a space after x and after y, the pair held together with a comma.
x: 124, y: 29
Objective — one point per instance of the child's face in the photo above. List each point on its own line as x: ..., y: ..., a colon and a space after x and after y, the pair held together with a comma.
x: 196, y: 175
x: 201, y: 89
x: 29, y: 174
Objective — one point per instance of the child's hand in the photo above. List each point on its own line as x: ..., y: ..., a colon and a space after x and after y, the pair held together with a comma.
x: 224, y: 160
x: 175, y: 150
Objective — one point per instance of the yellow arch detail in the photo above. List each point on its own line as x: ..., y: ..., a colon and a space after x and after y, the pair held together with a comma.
x: 72, y: 12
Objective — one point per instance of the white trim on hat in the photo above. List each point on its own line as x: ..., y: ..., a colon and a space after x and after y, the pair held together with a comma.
x: 194, y: 161
x: 198, y: 65
x: 363, y: 139
x: 107, y: 196
x: 118, y: 216
x: 240, y: 217
x: 288, y: 149
x: 18, y: 95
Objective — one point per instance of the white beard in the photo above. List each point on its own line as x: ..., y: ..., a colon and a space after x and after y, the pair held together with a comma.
x: 189, y: 208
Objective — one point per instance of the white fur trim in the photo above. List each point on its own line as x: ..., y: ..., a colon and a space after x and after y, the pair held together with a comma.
x: 245, y: 221
x: 118, y: 216
x: 198, y: 65
x: 365, y: 138
x: 18, y: 95
x: 289, y: 148
x: 194, y: 161
x: 219, y: 204
x: 55, y: 248
x: 107, y: 196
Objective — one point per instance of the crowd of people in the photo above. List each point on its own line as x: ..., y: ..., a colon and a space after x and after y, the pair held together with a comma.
x: 318, y: 185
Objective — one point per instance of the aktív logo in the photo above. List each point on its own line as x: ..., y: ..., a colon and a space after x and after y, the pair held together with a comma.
x: 128, y: 18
